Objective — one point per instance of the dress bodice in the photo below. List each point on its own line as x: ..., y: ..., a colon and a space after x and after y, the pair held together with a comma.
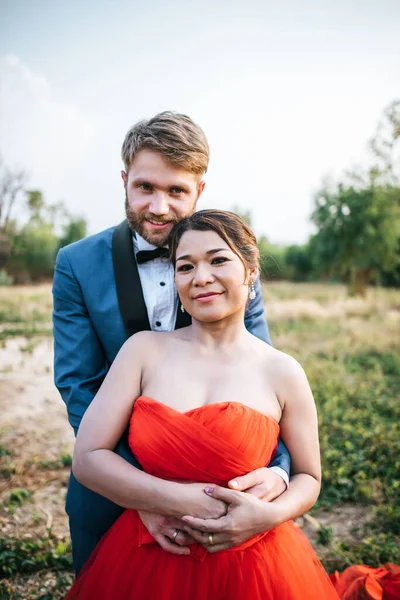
x: 212, y: 443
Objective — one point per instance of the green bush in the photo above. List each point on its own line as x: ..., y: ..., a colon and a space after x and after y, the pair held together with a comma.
x: 27, y: 556
x: 5, y: 279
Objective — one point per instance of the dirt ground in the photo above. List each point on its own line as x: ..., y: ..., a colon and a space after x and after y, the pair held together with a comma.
x: 34, y: 428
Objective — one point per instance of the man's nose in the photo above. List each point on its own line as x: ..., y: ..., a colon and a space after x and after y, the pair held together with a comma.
x: 159, y: 204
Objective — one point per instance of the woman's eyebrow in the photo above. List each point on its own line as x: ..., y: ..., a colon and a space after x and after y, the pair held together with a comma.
x: 214, y: 251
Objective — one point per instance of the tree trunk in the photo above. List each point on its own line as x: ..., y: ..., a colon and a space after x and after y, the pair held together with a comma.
x: 359, y: 279
x: 4, y: 248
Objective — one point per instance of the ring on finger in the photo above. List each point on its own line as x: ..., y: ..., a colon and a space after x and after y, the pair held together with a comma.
x: 210, y: 539
x: 174, y: 535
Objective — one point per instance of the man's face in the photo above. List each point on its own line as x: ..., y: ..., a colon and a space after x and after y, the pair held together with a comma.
x: 158, y: 195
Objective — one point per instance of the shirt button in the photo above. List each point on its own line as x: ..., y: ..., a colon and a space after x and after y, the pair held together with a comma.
x: 162, y: 282
x: 158, y: 323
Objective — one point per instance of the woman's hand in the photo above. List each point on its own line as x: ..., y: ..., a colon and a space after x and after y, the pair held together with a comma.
x: 247, y: 516
x: 264, y: 484
x: 163, y: 529
x: 192, y: 500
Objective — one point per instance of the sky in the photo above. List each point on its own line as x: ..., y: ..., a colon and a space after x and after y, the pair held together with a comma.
x: 286, y: 92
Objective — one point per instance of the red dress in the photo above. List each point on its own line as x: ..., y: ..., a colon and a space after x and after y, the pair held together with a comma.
x: 211, y: 444
x: 360, y: 581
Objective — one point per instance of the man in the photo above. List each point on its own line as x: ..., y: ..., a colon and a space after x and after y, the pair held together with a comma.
x: 111, y: 285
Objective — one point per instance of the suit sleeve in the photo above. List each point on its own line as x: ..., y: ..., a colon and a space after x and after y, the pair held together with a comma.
x: 79, y: 360
x: 254, y: 319
x: 256, y: 324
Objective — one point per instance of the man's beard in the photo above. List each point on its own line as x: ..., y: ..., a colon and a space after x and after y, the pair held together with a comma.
x: 136, y: 222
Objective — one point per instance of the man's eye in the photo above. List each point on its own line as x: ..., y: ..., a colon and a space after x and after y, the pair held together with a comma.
x: 176, y: 191
x: 147, y: 187
x: 184, y: 268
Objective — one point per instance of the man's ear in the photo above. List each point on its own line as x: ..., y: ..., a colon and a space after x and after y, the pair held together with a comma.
x: 200, y: 189
x: 124, y: 176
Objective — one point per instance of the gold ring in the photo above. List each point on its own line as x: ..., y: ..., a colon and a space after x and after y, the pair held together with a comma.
x: 175, y: 535
x: 210, y: 539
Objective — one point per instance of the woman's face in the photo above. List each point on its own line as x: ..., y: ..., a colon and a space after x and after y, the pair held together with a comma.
x: 210, y: 278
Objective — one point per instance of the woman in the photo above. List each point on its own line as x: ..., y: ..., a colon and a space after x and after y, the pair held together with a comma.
x: 204, y: 403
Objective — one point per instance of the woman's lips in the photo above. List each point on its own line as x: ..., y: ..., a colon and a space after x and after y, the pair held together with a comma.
x: 207, y: 298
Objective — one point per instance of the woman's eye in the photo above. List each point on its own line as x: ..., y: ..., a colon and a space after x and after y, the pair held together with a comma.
x: 184, y: 268
x: 219, y: 260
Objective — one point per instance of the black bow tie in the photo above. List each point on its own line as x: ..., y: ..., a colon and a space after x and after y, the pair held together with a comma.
x: 145, y: 255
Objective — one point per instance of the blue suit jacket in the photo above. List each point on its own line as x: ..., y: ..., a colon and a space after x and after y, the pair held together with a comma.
x: 98, y: 303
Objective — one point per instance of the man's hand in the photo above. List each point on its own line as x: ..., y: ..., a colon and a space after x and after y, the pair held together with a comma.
x: 262, y: 483
x: 247, y: 516
x: 162, y: 529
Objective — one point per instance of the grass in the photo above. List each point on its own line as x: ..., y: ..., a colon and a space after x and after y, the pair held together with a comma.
x: 25, y: 312
x: 349, y: 348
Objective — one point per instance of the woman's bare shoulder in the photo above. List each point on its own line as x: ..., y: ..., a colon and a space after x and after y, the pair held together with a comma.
x: 144, y: 342
x: 282, y: 365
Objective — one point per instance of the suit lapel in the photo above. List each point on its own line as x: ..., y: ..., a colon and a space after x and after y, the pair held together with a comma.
x: 129, y: 290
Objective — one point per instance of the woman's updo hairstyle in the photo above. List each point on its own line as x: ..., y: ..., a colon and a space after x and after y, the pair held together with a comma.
x: 230, y: 227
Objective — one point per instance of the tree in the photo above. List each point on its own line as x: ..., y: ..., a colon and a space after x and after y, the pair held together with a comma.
x: 33, y: 252
x: 73, y: 230
x: 358, y: 219
x: 11, y: 187
x: 358, y: 232
x: 272, y: 260
x: 299, y: 262
x: 385, y: 146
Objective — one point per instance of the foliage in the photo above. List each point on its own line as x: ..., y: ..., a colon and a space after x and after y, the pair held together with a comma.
x: 299, y: 261
x: 358, y: 231
x: 349, y: 349
x: 19, y: 556
x: 74, y: 230
x: 374, y: 550
x: 272, y: 260
x: 385, y: 148
x: 5, y: 279
x: 324, y: 536
x: 11, y: 187
x: 28, y: 250
x: 17, y: 497
x: 33, y: 251
x: 358, y: 219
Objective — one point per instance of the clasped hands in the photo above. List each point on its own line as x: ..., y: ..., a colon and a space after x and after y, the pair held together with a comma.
x: 236, y: 516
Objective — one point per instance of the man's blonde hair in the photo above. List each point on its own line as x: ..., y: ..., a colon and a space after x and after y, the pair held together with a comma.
x: 175, y: 136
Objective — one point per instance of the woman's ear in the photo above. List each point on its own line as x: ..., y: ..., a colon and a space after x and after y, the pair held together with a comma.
x: 253, y: 273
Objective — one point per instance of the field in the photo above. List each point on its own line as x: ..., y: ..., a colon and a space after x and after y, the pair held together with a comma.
x: 350, y: 350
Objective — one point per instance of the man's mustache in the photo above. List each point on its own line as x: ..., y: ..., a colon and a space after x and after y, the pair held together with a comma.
x: 158, y: 220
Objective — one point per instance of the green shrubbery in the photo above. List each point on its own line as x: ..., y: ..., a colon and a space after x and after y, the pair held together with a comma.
x: 360, y: 447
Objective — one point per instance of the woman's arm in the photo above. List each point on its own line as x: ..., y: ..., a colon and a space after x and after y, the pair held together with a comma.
x: 299, y: 431
x: 96, y: 466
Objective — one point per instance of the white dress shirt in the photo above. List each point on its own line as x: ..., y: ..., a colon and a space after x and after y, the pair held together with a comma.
x: 161, y: 299
x: 159, y: 292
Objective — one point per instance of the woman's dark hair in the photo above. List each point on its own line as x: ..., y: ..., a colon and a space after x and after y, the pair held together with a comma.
x: 230, y: 227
